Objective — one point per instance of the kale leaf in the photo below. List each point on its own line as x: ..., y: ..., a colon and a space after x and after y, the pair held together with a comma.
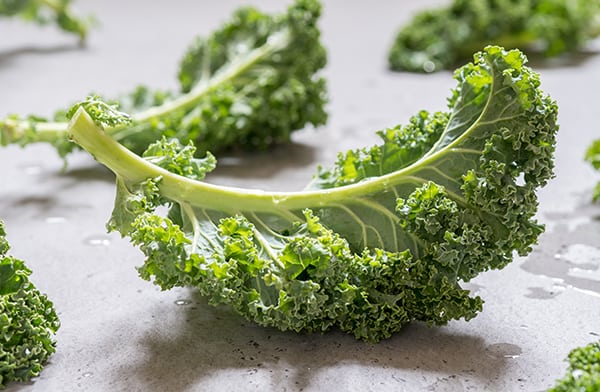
x: 249, y: 84
x: 592, y: 155
x: 583, y: 373
x: 383, y: 238
x: 441, y: 38
x: 27, y: 320
x: 47, y: 11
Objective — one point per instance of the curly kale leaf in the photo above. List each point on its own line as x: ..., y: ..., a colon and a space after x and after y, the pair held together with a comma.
x: 583, y: 373
x: 592, y: 155
x: 440, y: 38
x: 28, y: 320
x: 383, y: 238
x: 104, y: 114
x: 249, y: 84
x: 45, y: 12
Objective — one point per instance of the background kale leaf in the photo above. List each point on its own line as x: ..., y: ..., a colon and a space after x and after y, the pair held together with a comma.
x: 47, y: 11
x: 442, y: 38
x: 249, y: 84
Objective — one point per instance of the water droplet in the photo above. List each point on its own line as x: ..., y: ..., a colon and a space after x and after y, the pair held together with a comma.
x: 429, y: 66
x: 351, y: 108
x: 503, y: 350
x: 584, y: 273
x: 576, y: 259
x: 376, y: 122
x: 542, y: 293
x: 572, y: 221
x: 182, y: 302
x: 577, y: 373
x: 230, y: 161
x: 97, y: 241
x: 241, y: 47
x: 55, y: 219
x: 348, y: 130
x: 593, y: 293
x: 31, y: 169
x: 581, y: 255
x: 370, y: 82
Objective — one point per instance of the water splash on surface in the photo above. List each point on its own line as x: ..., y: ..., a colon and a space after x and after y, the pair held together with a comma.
x: 55, y: 219
x: 31, y: 169
x: 570, y: 257
x: 472, y: 287
x: 543, y: 293
x: 98, y: 240
x: 503, y: 351
x: 581, y: 255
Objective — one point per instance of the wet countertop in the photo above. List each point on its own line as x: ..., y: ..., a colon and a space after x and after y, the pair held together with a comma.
x: 120, y: 333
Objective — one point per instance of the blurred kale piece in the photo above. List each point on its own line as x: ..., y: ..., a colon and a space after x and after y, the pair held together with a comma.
x: 441, y: 38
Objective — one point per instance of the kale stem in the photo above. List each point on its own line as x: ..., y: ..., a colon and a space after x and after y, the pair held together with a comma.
x: 233, y: 70
x: 132, y: 169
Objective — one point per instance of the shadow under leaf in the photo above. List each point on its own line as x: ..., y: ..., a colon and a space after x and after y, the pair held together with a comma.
x: 213, y: 347
x: 8, y: 55
x: 264, y: 164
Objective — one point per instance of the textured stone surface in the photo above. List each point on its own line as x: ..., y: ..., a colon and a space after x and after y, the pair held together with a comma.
x: 120, y: 333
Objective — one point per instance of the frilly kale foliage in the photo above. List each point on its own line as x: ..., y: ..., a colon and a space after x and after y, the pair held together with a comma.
x: 47, y: 11
x: 592, y: 155
x: 441, y: 38
x: 28, y: 320
x: 583, y: 373
x: 383, y: 238
x: 249, y: 84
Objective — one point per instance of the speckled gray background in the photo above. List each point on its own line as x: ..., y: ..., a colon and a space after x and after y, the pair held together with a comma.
x: 120, y: 333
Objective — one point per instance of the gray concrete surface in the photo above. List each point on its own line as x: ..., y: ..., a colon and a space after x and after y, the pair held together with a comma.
x: 120, y: 333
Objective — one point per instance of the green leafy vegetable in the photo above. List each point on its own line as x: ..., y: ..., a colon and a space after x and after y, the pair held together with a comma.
x: 27, y: 320
x: 383, y: 238
x: 583, y: 374
x: 249, y: 84
x: 592, y: 155
x: 47, y: 11
x: 440, y: 38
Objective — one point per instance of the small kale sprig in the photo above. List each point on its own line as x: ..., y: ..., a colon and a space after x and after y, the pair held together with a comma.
x: 592, y: 155
x: 583, y: 373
